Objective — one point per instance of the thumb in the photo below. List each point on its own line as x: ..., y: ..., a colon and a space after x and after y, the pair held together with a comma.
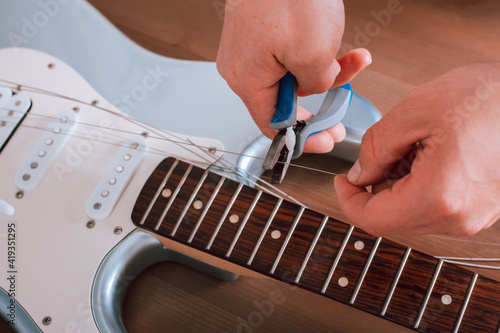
x: 386, y: 143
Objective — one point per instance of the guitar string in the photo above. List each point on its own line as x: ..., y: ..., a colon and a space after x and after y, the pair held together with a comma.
x: 204, y: 149
x: 158, y: 152
x: 158, y: 138
x: 161, y: 138
x: 162, y: 153
x: 159, y: 132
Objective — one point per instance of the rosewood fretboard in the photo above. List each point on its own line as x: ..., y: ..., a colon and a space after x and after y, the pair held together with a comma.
x: 299, y: 246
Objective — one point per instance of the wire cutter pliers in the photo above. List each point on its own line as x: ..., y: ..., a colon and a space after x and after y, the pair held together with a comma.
x: 289, y: 142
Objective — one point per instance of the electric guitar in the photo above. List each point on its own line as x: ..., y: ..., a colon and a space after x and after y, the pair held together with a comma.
x: 90, y: 195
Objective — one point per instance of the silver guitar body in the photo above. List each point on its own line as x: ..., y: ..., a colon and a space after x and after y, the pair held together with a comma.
x: 69, y: 276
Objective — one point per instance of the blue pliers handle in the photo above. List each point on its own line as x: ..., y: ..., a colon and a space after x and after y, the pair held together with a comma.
x: 331, y: 112
x: 286, y: 110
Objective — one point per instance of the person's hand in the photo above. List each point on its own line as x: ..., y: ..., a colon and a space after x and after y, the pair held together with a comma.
x: 433, y: 161
x: 263, y: 39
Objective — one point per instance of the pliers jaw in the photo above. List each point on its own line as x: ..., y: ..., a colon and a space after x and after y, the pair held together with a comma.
x: 280, y: 154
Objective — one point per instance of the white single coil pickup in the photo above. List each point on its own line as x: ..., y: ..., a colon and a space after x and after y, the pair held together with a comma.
x: 12, y: 110
x: 46, y: 150
x: 113, y: 183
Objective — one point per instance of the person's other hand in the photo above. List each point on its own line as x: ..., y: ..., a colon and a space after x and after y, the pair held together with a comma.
x: 263, y: 39
x: 433, y: 161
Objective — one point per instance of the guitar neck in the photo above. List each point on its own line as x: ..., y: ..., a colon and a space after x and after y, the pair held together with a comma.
x: 296, y: 245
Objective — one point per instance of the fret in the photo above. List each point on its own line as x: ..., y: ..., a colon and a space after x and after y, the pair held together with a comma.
x: 243, y: 223
x: 181, y: 198
x: 483, y: 310
x: 311, y: 249
x: 323, y: 255
x: 223, y: 217
x: 297, y: 248
x: 365, y: 270
x: 196, y: 208
x: 465, y: 303
x: 428, y: 294
x: 395, y: 282
x: 189, y: 203
x: 274, y: 238
x: 264, y: 231
x: 378, y: 278
x: 287, y: 239
x: 253, y: 226
x: 208, y: 205
x: 337, y: 259
x: 172, y: 197
x: 447, y: 296
x: 232, y: 223
x: 409, y: 293
x: 350, y: 266
x: 157, y: 194
x: 207, y: 228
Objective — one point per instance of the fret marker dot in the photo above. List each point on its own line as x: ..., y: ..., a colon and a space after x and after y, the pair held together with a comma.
x: 3, y: 123
x: 10, y: 113
x: 359, y: 245
x: 166, y: 193
x: 234, y: 218
x: 197, y: 204
x: 343, y: 282
x: 275, y: 234
x: 446, y: 299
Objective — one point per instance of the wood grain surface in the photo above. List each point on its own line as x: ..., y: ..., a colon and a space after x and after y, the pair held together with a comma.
x: 422, y: 40
x: 417, y: 42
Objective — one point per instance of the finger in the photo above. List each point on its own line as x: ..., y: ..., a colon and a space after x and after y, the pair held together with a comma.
x: 350, y: 65
x: 323, y: 141
x: 392, y: 211
x: 261, y: 105
x: 317, y: 75
x: 386, y: 143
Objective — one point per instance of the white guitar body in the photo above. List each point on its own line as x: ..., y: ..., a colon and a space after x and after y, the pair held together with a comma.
x: 55, y: 255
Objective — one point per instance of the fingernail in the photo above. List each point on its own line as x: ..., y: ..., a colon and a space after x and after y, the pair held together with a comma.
x: 353, y: 174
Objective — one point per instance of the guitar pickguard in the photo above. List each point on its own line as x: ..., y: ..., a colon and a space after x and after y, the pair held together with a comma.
x: 58, y: 248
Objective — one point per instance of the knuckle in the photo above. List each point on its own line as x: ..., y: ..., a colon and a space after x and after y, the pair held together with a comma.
x: 449, y: 206
x: 318, y: 70
x: 450, y: 211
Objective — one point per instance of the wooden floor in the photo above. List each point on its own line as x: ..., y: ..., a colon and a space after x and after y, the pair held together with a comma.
x: 425, y: 39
